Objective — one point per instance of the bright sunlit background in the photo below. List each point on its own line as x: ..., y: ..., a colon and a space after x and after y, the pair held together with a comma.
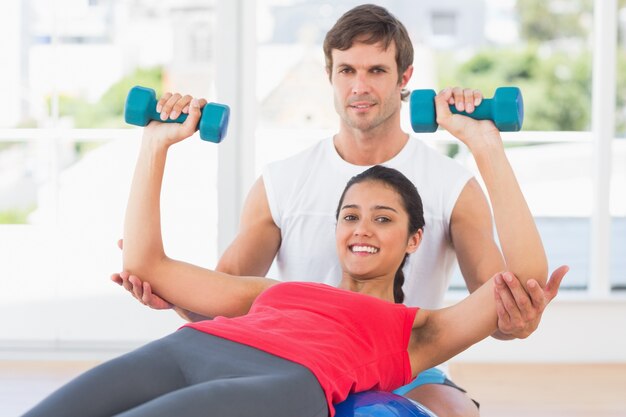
x: 66, y: 156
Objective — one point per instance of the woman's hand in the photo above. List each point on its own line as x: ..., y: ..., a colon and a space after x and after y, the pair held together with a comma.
x: 171, y: 106
x: 473, y: 133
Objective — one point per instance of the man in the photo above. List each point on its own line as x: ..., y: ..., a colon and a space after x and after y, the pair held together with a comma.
x: 369, y: 60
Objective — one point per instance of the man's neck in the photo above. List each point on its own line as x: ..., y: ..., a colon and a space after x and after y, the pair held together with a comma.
x: 369, y: 148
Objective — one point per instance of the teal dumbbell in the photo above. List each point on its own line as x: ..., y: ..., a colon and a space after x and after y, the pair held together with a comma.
x: 140, y: 109
x: 505, y: 109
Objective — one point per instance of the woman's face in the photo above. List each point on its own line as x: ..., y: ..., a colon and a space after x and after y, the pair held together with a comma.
x: 372, y: 231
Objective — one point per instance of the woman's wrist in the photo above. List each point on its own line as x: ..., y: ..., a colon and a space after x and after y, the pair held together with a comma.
x: 487, y: 145
x: 152, y: 144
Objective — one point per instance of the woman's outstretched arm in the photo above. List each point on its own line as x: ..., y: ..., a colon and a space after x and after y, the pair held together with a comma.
x: 189, y: 286
x: 439, y: 335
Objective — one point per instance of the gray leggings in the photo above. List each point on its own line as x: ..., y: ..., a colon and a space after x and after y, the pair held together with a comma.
x: 186, y: 374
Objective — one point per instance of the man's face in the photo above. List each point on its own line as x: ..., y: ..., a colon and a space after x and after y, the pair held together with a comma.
x: 366, y: 85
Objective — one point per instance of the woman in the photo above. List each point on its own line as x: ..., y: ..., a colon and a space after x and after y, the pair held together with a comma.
x: 285, y: 349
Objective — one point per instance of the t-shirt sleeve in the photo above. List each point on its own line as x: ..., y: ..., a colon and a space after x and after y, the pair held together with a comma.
x: 269, y: 176
x: 455, y: 187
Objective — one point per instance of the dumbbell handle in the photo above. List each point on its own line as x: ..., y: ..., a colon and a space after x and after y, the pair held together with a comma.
x: 483, y: 111
x: 155, y: 115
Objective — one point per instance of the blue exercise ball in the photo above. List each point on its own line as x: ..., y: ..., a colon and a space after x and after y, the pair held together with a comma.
x: 380, y: 404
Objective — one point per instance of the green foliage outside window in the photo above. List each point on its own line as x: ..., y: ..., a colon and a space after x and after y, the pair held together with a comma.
x: 553, y: 70
x: 108, y: 111
x: 15, y: 216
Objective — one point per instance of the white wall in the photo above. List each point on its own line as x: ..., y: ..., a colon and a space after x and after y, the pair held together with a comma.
x: 10, y: 62
x: 574, y: 328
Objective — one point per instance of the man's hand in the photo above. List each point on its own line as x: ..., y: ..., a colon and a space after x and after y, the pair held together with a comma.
x: 520, y: 309
x: 141, y: 291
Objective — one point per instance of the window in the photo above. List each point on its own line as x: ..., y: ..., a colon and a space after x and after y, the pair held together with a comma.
x: 67, y: 157
x: 618, y: 155
x: 542, y: 48
x: 444, y: 23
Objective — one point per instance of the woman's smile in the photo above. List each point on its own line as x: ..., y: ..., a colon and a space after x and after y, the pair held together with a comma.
x: 362, y: 249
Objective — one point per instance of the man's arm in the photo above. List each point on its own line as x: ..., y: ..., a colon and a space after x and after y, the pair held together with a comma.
x: 256, y: 245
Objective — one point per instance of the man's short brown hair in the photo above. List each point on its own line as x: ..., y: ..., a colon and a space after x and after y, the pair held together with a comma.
x: 370, y: 24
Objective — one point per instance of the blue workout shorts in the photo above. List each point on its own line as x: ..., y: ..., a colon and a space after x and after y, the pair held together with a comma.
x: 430, y: 376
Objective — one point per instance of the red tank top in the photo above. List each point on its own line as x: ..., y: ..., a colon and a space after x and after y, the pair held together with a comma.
x: 350, y: 341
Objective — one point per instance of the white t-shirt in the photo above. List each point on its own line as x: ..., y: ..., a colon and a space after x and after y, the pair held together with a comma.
x: 303, y: 192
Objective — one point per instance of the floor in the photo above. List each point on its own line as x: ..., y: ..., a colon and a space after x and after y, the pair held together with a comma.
x: 509, y: 390
x: 545, y: 390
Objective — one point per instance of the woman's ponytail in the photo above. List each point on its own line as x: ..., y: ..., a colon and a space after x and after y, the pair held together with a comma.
x: 398, y: 282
